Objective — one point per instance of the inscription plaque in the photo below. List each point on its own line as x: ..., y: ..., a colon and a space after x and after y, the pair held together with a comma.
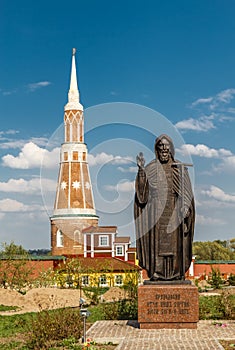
x: 168, y: 306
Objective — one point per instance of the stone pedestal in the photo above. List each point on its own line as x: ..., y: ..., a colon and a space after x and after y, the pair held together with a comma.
x: 168, y: 306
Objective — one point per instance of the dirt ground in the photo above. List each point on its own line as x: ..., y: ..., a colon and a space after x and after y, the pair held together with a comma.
x: 37, y: 299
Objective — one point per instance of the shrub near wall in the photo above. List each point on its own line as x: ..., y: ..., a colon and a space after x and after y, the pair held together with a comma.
x: 217, y: 307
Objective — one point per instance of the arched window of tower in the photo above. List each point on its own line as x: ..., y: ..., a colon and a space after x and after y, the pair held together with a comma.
x: 77, y: 238
x: 59, y: 239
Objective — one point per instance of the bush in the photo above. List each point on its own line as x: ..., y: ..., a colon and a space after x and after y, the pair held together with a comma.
x: 217, y: 307
x: 94, y: 293
x: 228, y: 304
x: 50, y: 326
x: 231, y: 280
x: 210, y: 307
x: 216, y: 281
x: 120, y: 310
x: 110, y: 311
x: 128, y: 310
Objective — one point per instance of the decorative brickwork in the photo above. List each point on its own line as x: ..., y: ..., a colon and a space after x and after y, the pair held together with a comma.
x: 74, y: 207
x: 70, y: 230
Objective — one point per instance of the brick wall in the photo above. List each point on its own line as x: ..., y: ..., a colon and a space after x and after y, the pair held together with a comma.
x: 205, y: 269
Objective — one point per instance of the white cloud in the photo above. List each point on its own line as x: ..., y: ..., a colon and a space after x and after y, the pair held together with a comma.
x: 212, y: 103
x: 202, y: 100
x: 13, y: 144
x: 48, y: 185
x: 31, y: 156
x: 122, y: 160
x: 204, y: 123
x: 104, y: 158
x: 11, y: 205
x: 127, y: 186
x: 218, y: 194
x: 213, y: 204
x: 206, y: 220
x: 228, y: 163
x: 231, y: 110
x: 131, y: 169
x: 34, y: 86
x: 225, y: 96
x: 27, y: 187
x: 225, y: 118
x: 204, y: 151
x: 40, y: 141
x: 9, y: 132
x: 100, y: 158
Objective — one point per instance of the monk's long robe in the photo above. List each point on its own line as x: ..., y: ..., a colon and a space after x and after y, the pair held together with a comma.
x: 164, y: 219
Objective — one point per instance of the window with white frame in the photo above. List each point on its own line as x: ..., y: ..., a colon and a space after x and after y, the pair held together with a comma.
x: 103, y: 281
x: 103, y: 241
x: 59, y: 239
x: 119, y: 250
x: 118, y: 280
x: 85, y: 280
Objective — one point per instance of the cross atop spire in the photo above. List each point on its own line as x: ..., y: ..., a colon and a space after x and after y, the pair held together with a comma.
x: 73, y: 95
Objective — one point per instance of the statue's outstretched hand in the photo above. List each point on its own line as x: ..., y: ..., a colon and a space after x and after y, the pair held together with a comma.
x: 140, y: 160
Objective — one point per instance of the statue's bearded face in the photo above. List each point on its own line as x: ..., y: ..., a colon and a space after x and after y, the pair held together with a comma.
x: 163, y: 150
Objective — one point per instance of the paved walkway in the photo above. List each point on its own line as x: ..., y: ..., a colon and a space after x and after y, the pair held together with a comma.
x: 129, y: 337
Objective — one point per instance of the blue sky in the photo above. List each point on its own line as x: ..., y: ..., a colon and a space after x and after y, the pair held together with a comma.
x: 175, y: 58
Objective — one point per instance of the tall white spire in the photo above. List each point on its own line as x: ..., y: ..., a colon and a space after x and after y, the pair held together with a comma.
x: 73, y: 94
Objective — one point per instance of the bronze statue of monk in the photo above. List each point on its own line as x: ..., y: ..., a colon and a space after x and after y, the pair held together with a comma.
x: 164, y: 214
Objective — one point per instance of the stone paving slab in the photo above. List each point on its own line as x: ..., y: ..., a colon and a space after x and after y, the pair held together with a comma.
x: 129, y: 337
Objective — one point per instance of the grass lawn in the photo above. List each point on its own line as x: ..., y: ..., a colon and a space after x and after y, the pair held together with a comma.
x: 15, y: 329
x: 96, y: 314
x: 12, y: 325
x: 8, y: 308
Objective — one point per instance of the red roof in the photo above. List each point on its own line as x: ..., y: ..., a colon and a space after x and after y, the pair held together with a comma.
x: 122, y: 240
x: 131, y: 250
x: 106, y: 264
x: 100, y: 229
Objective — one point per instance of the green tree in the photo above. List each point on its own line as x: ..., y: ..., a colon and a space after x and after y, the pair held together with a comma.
x: 11, y: 250
x: 216, y: 250
x: 216, y: 280
x: 130, y: 284
x: 232, y: 246
x: 15, y: 271
x: 224, y: 244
